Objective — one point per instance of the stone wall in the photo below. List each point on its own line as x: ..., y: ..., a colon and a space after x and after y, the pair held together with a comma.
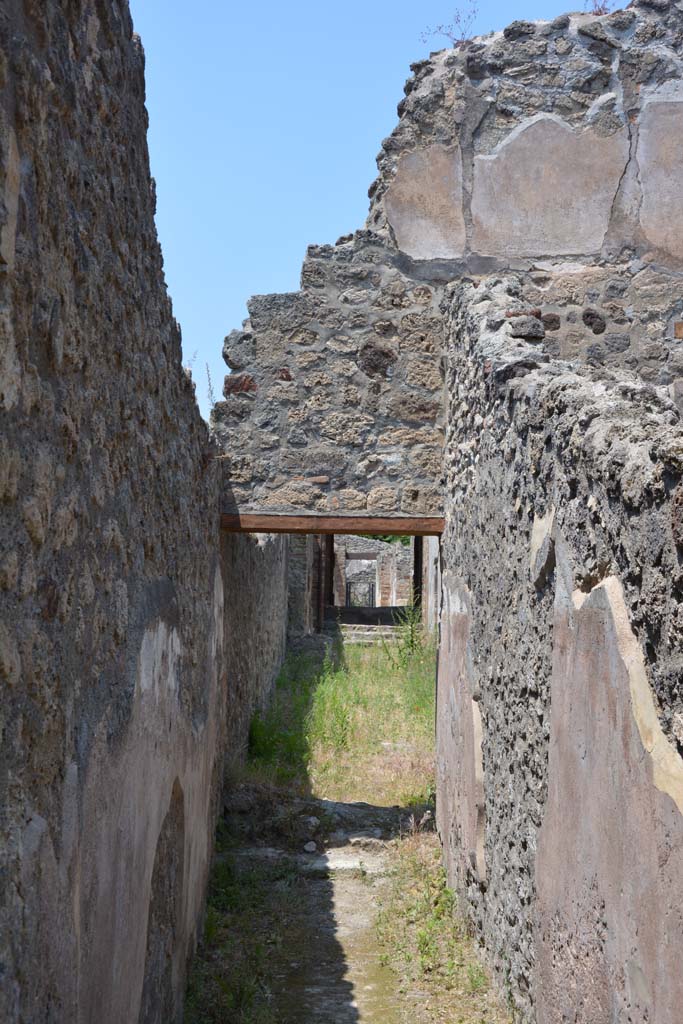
x: 547, y: 148
x: 523, y: 245
x: 524, y: 239
x: 348, y: 550
x: 395, y: 569
x: 389, y: 568
x: 361, y: 579
x: 111, y: 594
x: 549, y: 140
x: 560, y: 732
x: 335, y: 400
x: 257, y: 575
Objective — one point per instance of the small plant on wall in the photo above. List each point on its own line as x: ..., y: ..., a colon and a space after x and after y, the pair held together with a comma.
x: 598, y: 6
x: 211, y: 394
x: 459, y: 29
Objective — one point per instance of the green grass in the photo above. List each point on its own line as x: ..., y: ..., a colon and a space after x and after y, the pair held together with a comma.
x: 361, y: 729
x: 426, y: 942
x: 245, y: 916
x: 329, y: 726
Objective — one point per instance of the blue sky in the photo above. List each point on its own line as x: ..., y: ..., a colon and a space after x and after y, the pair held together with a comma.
x: 265, y: 120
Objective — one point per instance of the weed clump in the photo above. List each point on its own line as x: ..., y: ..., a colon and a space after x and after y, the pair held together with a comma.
x: 231, y: 979
x: 425, y: 940
x: 334, y: 727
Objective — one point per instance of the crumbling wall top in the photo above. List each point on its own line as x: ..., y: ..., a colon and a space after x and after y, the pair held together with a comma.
x: 548, y: 149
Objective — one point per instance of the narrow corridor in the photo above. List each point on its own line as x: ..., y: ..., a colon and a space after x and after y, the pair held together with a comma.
x: 335, y: 910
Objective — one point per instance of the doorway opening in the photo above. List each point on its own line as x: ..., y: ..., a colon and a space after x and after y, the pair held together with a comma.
x: 372, y: 578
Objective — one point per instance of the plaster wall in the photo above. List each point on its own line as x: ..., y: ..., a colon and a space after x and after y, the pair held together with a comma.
x: 609, y: 926
x: 431, y: 583
x: 559, y: 733
x: 547, y: 139
x: 304, y: 571
x: 395, y: 567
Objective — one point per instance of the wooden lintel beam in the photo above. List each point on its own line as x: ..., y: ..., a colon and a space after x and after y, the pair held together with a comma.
x: 416, y: 526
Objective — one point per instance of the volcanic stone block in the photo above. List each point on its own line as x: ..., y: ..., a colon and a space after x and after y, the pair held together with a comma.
x: 12, y: 174
x: 542, y: 558
x: 529, y: 327
x: 382, y: 499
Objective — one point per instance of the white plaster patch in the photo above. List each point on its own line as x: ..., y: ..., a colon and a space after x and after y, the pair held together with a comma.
x: 667, y: 764
x: 158, y: 660
x: 424, y: 204
x: 541, y: 546
x: 93, y: 56
x: 660, y: 159
x: 547, y: 190
x: 562, y: 267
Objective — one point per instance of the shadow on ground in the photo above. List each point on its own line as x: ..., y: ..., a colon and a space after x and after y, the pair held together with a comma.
x: 281, y: 737
x: 290, y: 932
